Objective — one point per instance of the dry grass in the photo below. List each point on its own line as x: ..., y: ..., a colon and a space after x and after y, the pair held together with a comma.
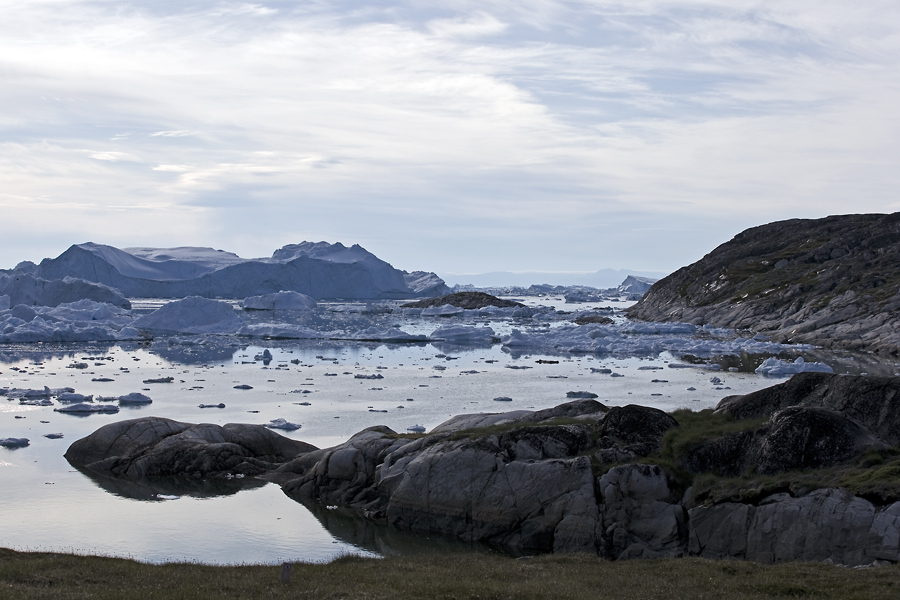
x: 439, y: 576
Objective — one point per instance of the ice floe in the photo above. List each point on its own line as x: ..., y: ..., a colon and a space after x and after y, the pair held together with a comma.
x: 14, y: 442
x: 282, y: 424
x: 85, y: 408
x: 774, y: 367
x: 464, y: 334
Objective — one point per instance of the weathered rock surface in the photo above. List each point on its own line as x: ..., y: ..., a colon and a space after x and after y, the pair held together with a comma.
x: 157, y: 447
x: 871, y: 401
x: 467, y: 300
x: 631, y: 431
x: 833, y: 282
x: 829, y: 524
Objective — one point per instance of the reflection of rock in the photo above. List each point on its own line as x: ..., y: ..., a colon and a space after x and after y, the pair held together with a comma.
x: 157, y: 447
x: 148, y: 488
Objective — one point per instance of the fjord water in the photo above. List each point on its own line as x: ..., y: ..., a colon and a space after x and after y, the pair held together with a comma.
x: 46, y: 504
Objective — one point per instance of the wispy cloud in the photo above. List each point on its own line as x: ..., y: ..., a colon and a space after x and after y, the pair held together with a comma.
x: 409, y: 126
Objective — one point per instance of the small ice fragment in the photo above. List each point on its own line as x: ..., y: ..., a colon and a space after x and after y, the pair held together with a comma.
x: 581, y: 394
x: 14, y: 442
x: 243, y: 386
x: 282, y: 424
x: 416, y: 429
x: 219, y: 405
x: 502, y: 399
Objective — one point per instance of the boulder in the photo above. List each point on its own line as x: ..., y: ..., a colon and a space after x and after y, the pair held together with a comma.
x: 157, y: 447
x: 629, y: 431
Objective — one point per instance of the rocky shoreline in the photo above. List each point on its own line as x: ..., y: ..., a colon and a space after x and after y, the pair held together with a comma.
x: 802, y: 471
x: 832, y: 282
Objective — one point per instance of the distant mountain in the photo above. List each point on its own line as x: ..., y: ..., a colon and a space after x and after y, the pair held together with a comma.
x: 320, y: 270
x: 832, y: 282
x: 603, y: 279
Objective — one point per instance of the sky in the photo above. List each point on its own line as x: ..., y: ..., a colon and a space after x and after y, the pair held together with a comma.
x: 455, y: 136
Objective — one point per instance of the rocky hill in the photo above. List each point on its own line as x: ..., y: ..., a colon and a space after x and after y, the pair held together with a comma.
x: 832, y: 282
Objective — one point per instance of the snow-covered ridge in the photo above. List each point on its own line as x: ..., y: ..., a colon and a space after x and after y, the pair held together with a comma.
x: 319, y: 270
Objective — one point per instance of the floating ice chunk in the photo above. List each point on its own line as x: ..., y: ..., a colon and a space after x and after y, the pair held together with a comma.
x: 715, y: 380
x: 284, y: 300
x: 442, y: 311
x: 385, y: 334
x: 773, y: 367
x: 282, y: 424
x: 416, y: 429
x: 463, y: 334
x: 53, y: 436
x: 243, y: 386
x: 285, y: 331
x: 36, y: 402
x: 581, y: 395
x: 192, y: 315
x: 375, y: 376
x: 14, y: 442
x: 602, y: 371
x: 134, y: 398
x: 502, y: 399
x: 84, y: 408
x: 219, y: 405
x: 70, y: 397
x: 166, y: 497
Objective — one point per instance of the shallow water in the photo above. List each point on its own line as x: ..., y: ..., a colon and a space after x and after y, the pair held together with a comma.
x: 46, y: 504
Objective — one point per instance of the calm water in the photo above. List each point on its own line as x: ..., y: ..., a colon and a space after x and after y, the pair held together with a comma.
x: 47, y: 505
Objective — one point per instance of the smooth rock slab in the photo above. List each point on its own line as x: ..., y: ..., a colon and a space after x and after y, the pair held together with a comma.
x: 157, y: 447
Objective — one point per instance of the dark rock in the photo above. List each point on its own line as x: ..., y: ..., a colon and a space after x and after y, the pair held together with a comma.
x: 466, y: 300
x: 871, y: 401
x: 833, y: 282
x: 727, y: 456
x: 157, y: 447
x: 803, y: 437
x: 630, y: 431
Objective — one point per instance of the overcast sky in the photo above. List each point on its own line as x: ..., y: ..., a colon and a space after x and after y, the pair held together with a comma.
x: 451, y: 136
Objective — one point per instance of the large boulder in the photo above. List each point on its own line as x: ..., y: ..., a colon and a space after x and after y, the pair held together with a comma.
x: 874, y: 402
x: 157, y: 447
x: 630, y: 431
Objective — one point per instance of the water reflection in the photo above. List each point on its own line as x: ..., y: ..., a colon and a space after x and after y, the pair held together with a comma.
x: 381, y: 538
x: 149, y: 489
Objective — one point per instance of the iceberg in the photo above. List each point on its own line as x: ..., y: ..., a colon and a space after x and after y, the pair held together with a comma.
x: 134, y: 398
x: 284, y: 300
x: 773, y: 367
x: 23, y: 288
x: 194, y: 315
x: 282, y: 424
x: 14, y: 442
x: 87, y: 408
x: 384, y: 334
x: 463, y: 334
x: 319, y: 270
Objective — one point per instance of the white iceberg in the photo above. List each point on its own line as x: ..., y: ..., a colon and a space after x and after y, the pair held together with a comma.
x: 87, y: 408
x: 193, y: 315
x: 384, y: 334
x: 773, y: 367
x: 134, y: 398
x: 284, y: 300
x: 282, y: 424
x: 464, y: 334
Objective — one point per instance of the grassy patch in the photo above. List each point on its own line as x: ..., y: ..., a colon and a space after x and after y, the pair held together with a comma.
x: 697, y: 428
x: 438, y: 576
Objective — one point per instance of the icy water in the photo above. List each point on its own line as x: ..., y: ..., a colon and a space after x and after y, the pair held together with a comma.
x: 45, y: 504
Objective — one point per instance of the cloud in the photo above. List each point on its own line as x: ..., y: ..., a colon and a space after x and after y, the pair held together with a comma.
x: 410, y: 125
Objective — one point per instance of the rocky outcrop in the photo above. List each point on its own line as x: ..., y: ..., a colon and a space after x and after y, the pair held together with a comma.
x: 871, y: 401
x: 155, y: 447
x: 466, y: 300
x: 833, y: 282
x: 824, y: 525
x: 631, y: 431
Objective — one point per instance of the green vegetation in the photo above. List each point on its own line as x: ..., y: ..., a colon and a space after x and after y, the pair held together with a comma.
x: 440, y: 576
x: 697, y: 428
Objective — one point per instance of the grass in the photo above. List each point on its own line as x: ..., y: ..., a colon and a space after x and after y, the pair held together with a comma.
x: 439, y: 576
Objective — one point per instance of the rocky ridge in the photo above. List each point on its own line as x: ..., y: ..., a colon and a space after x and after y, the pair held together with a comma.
x: 832, y: 282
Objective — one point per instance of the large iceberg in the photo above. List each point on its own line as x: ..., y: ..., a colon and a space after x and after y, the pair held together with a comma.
x: 22, y: 288
x: 191, y: 315
x: 283, y: 300
x: 82, y: 321
x: 319, y: 270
